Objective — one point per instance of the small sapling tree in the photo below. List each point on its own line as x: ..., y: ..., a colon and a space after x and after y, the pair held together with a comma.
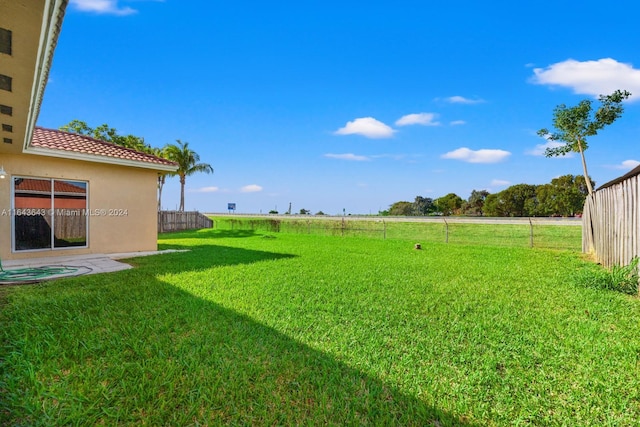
x: 574, y: 124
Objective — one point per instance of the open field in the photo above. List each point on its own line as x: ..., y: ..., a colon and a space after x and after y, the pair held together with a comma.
x: 264, y: 328
x: 549, y: 233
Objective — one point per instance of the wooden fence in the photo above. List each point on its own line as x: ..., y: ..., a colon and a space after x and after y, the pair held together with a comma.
x: 177, y: 221
x: 611, y: 221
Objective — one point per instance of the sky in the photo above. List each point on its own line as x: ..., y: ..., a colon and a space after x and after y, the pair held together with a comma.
x: 349, y: 106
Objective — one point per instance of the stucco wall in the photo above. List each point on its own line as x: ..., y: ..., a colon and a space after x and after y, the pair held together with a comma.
x: 122, y: 203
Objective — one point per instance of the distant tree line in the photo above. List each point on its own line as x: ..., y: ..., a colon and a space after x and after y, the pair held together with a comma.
x: 563, y: 196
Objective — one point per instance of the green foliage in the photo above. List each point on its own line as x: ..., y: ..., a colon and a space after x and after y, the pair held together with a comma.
x: 419, y: 207
x: 107, y: 133
x: 401, y: 209
x: 449, y: 204
x: 516, y: 201
x: 574, y: 124
x: 491, y: 205
x: 475, y: 204
x: 423, y: 206
x: 623, y: 279
x: 564, y: 196
x: 188, y: 163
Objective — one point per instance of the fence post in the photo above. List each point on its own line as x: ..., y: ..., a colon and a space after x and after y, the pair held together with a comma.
x: 384, y: 230
x: 530, y: 233
x: 446, y: 230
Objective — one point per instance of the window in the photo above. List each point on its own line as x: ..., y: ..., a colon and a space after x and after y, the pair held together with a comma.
x: 49, y: 213
x: 5, y: 82
x: 5, y: 41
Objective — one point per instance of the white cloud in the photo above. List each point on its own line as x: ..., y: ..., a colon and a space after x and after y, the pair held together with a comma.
x: 499, y: 183
x: 457, y: 123
x: 627, y: 165
x: 348, y: 156
x: 252, y: 188
x: 540, y: 149
x: 109, y: 7
x: 600, y: 77
x: 462, y: 100
x: 477, y: 156
x: 366, y: 126
x: 205, y: 190
x: 389, y: 156
x: 424, y: 119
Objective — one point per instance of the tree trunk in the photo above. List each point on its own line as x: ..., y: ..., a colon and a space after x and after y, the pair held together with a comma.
x: 182, y: 182
x: 160, y: 185
x: 584, y: 169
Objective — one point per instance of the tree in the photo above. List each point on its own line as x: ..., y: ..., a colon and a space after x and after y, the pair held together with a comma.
x: 574, y: 124
x: 188, y: 164
x: 423, y: 205
x: 564, y: 196
x: 162, y: 176
x: 401, y: 209
x: 108, y: 134
x: 475, y: 203
x: 493, y: 206
x: 449, y: 204
x: 518, y: 200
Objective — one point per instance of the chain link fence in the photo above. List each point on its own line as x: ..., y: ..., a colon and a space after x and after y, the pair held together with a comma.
x: 521, y: 232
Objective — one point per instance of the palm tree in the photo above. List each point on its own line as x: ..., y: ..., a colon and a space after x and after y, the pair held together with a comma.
x: 188, y: 164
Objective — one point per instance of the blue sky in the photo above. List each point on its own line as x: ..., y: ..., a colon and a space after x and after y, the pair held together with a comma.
x: 332, y: 105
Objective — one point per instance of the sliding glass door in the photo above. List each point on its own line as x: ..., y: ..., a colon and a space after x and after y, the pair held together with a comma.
x: 49, y: 213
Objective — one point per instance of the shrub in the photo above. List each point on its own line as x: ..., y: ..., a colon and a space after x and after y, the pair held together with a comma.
x: 619, y: 278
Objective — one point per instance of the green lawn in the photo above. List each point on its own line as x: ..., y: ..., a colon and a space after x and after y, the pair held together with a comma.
x: 266, y: 328
x: 438, y: 230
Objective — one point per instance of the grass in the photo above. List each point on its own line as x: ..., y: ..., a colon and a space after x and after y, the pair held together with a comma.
x: 512, y: 235
x: 265, y: 328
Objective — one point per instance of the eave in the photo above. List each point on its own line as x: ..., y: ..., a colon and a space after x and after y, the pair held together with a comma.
x: 99, y: 159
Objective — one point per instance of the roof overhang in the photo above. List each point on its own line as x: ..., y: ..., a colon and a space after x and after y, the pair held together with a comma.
x: 99, y: 159
x: 30, y: 34
x: 33, y: 27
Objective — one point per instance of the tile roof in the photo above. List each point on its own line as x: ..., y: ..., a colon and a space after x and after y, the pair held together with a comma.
x: 64, y: 141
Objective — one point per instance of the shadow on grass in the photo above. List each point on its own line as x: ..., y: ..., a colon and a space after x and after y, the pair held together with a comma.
x: 129, y: 349
x: 200, y: 257
x: 207, y: 232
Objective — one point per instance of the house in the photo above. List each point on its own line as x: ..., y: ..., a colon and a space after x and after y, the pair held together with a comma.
x: 611, y: 221
x: 61, y: 193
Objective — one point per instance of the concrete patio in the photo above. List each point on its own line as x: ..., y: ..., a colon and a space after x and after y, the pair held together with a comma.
x: 78, y: 264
